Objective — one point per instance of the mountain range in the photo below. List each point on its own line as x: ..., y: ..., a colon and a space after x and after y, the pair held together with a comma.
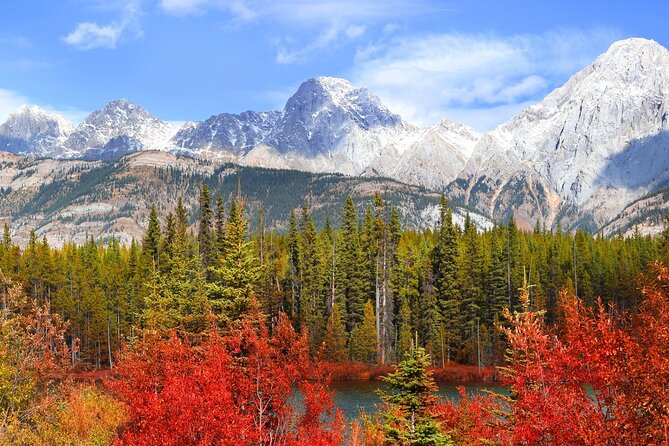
x: 592, y: 154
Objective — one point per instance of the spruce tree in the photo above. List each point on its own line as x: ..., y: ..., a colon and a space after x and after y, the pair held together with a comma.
x: 445, y: 270
x: 350, y: 292
x: 205, y: 237
x: 151, y: 242
x: 310, y: 315
x: 471, y: 279
x: 219, y: 229
x: 409, y: 420
x: 335, y: 337
x: 238, y: 273
x: 363, y: 344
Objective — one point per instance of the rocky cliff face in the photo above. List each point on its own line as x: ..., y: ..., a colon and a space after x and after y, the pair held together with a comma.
x: 580, y: 156
x: 593, y: 145
x: 32, y: 131
x: 122, y: 121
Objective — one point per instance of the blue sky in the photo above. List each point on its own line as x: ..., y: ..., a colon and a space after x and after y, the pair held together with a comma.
x: 477, y: 62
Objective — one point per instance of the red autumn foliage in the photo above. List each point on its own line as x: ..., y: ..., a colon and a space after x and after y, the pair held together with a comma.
x: 451, y: 373
x: 473, y: 421
x: 234, y: 390
x: 602, y: 381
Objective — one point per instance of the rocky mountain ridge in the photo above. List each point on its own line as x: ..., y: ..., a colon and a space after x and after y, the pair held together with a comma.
x: 70, y: 200
x: 579, y: 157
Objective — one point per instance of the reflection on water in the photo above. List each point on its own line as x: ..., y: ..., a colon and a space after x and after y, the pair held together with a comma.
x: 351, y: 396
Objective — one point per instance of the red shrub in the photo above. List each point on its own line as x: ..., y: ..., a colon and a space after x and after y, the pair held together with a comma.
x: 236, y: 390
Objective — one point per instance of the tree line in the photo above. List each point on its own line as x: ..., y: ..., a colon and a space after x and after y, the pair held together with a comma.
x: 365, y: 291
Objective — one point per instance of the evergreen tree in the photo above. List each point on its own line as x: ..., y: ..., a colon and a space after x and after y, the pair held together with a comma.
x: 310, y: 315
x: 363, y: 343
x: 151, y: 243
x: 219, y: 229
x: 238, y: 272
x: 293, y: 272
x: 205, y: 237
x: 350, y: 292
x: 471, y: 279
x: 408, y: 420
x: 335, y: 337
x: 445, y: 270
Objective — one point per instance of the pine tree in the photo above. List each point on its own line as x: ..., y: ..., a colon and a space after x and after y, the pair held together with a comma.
x: 350, y: 292
x: 363, y: 343
x: 293, y: 273
x: 445, y: 270
x: 471, y: 279
x: 408, y: 420
x: 219, y: 229
x: 310, y: 315
x: 238, y: 272
x: 335, y: 337
x: 205, y: 237
x: 151, y: 243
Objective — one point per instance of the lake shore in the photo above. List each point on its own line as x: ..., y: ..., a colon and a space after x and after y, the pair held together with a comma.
x: 449, y: 374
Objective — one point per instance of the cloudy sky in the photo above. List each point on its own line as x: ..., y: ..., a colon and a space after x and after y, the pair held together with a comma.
x: 477, y: 62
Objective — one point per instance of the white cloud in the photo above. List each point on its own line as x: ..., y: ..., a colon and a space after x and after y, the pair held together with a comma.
x: 9, y: 102
x: 90, y: 35
x: 324, y: 40
x: 355, y: 31
x: 478, y: 79
x: 310, y: 12
x: 182, y: 6
x: 87, y: 36
x: 324, y: 22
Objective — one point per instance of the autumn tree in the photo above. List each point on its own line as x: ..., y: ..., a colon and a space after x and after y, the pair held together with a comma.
x: 235, y: 390
x: 334, y: 342
x: 363, y: 344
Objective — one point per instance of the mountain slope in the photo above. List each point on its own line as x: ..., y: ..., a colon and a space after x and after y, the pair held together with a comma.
x: 594, y: 144
x: 118, y: 128
x: 32, y: 131
x: 579, y: 157
x: 67, y: 200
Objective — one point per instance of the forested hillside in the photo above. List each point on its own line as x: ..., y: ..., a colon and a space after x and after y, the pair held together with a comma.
x: 362, y: 288
x: 68, y: 201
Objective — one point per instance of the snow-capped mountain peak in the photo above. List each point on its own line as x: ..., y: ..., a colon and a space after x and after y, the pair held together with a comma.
x: 32, y: 131
x: 130, y: 127
x: 596, y: 142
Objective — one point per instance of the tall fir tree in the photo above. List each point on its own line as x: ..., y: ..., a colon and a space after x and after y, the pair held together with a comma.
x: 363, y: 343
x: 445, y: 270
x: 238, y: 271
x: 152, y: 238
x: 205, y: 236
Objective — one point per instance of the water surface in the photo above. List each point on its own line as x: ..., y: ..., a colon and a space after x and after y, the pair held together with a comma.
x: 351, y: 396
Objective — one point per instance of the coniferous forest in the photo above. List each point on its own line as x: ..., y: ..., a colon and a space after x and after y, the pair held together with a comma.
x: 205, y: 330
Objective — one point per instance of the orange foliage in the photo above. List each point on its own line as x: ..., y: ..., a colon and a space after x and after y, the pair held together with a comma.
x: 603, y: 381
x: 237, y: 390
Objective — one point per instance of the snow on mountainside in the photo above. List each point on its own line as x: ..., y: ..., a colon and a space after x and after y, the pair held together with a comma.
x: 234, y: 133
x: 128, y: 127
x: 31, y: 130
x: 328, y: 125
x: 579, y: 157
x: 585, y: 151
